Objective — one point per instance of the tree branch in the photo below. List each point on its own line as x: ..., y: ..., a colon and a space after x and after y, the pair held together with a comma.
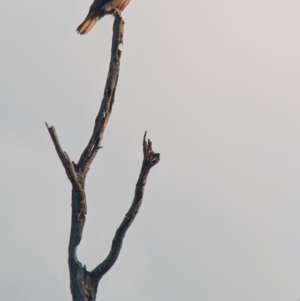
x: 63, y: 156
x: 150, y: 159
x: 102, y: 118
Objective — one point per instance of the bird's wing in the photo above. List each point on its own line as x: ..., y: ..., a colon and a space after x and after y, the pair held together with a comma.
x: 97, y: 6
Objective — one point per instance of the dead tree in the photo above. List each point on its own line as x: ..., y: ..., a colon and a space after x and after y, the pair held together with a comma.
x: 84, y: 283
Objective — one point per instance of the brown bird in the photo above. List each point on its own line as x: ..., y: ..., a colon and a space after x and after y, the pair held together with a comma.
x: 99, y: 9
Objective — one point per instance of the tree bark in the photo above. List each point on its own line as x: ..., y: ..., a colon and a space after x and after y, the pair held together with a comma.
x: 84, y: 283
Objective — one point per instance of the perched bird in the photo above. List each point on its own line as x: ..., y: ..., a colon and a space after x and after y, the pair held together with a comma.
x: 99, y: 9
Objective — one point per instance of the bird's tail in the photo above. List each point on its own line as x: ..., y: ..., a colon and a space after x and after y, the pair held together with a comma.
x: 87, y: 24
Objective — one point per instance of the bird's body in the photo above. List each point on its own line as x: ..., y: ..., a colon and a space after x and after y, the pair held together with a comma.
x: 99, y: 9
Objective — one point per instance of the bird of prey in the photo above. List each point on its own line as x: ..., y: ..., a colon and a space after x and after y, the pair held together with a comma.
x: 99, y: 9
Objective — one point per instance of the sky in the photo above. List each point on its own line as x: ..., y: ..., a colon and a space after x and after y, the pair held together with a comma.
x: 216, y: 85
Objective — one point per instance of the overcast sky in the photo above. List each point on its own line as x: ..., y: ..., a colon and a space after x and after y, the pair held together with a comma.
x: 216, y: 85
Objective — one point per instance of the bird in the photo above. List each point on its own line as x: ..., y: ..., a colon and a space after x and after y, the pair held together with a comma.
x: 99, y: 9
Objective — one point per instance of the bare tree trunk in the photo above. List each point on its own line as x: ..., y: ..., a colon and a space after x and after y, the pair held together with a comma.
x: 84, y: 283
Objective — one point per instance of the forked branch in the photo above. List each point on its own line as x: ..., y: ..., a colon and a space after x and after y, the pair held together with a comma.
x: 84, y: 283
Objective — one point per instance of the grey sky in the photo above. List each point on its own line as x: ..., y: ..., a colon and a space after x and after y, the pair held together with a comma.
x: 216, y: 84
